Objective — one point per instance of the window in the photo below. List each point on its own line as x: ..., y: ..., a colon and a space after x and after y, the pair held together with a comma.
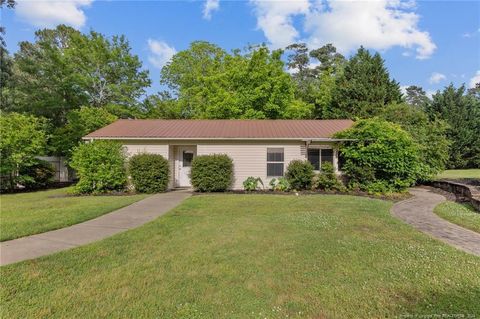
x: 187, y: 158
x: 341, y: 161
x: 275, y: 162
x: 316, y: 156
x: 327, y: 155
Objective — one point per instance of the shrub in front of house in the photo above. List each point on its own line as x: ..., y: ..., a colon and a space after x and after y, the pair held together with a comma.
x: 212, y: 173
x: 37, y: 176
x: 100, y: 167
x: 299, y: 174
x: 149, y: 173
x: 379, y: 157
x: 252, y: 183
x: 327, y: 180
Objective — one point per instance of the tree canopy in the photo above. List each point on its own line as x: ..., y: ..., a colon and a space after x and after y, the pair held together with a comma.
x: 364, y: 88
x: 462, y: 113
x: 74, y: 82
x: 211, y: 83
x: 64, y: 69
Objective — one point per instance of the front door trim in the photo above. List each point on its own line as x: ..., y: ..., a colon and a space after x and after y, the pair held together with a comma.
x: 183, y: 165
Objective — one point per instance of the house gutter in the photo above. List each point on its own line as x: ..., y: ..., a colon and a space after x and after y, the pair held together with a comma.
x: 309, y: 140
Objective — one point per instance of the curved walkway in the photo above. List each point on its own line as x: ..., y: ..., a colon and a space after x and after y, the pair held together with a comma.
x: 418, y: 212
x: 84, y: 233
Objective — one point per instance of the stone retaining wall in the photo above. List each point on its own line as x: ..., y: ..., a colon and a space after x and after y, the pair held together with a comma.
x: 462, y: 192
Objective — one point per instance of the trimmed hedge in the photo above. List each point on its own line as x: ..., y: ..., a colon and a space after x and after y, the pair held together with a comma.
x: 212, y: 173
x: 149, y: 172
x: 100, y: 166
x: 299, y: 174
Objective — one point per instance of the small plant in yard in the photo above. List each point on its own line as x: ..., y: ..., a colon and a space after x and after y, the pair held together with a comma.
x: 252, y: 183
x: 281, y: 184
x: 149, y: 173
x: 212, y: 173
x: 100, y: 166
x: 299, y: 174
x: 327, y: 179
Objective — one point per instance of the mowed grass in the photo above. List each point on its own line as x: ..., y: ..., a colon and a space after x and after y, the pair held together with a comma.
x: 32, y: 213
x: 460, y: 173
x: 252, y: 256
x: 461, y: 214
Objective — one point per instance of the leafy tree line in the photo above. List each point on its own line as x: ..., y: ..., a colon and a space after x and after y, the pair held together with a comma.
x: 74, y: 83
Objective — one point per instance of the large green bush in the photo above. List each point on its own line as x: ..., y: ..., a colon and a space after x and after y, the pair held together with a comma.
x: 37, y: 176
x: 299, y: 174
x: 380, y: 156
x: 430, y: 135
x: 22, y: 139
x: 212, y: 173
x: 149, y: 173
x: 100, y: 166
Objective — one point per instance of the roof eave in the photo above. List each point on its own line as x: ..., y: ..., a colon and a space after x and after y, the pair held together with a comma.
x: 303, y: 139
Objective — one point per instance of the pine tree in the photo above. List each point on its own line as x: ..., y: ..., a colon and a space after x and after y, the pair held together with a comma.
x: 364, y: 88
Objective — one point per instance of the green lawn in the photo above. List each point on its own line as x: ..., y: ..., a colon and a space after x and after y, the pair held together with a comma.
x: 252, y: 256
x: 460, y: 173
x: 461, y: 214
x: 32, y: 213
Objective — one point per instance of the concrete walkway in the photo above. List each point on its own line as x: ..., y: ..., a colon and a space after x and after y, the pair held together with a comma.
x: 87, y: 232
x: 418, y: 212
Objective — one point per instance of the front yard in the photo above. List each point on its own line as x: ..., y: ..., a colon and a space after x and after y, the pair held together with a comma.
x: 252, y: 256
x: 32, y: 213
x: 459, y: 173
x: 461, y: 214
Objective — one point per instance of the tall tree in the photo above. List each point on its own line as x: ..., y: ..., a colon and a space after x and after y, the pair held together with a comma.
x: 65, y: 69
x: 416, y: 97
x: 79, y: 123
x: 430, y: 135
x: 462, y: 112
x: 9, y: 4
x: 364, y: 88
x: 211, y: 83
x: 314, y: 74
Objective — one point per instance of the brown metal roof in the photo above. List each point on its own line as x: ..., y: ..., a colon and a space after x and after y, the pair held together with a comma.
x: 218, y: 129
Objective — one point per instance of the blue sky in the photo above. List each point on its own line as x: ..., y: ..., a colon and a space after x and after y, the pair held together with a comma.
x: 426, y: 43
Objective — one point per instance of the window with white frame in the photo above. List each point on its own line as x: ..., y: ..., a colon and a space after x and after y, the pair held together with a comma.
x: 317, y: 156
x: 275, y: 161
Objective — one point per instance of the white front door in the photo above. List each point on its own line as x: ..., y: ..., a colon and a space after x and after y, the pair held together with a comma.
x: 185, y: 156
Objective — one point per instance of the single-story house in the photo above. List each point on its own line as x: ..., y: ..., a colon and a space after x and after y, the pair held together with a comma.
x: 259, y: 148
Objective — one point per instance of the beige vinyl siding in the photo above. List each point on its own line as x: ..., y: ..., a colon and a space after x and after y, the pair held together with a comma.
x: 251, y: 159
x: 133, y: 148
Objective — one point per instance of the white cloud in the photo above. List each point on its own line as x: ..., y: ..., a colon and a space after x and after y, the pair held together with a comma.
x: 209, y: 7
x: 475, y: 79
x: 161, y: 53
x: 376, y: 24
x: 274, y: 18
x: 436, y: 78
x: 49, y: 13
